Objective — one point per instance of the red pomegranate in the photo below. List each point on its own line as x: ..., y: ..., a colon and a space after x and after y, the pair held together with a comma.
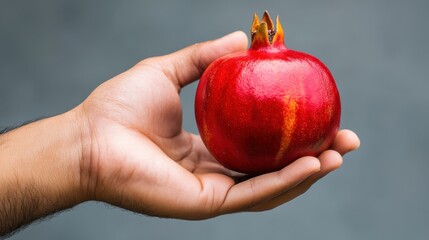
x: 259, y: 110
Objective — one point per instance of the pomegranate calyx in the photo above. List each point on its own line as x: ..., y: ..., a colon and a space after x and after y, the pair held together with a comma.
x: 263, y: 33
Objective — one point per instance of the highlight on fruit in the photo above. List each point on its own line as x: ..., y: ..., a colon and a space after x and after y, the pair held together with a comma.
x: 259, y: 110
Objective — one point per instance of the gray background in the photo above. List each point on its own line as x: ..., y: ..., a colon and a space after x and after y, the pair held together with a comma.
x: 53, y: 53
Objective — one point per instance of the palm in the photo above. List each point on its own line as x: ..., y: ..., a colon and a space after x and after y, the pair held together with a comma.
x: 139, y: 136
x: 152, y: 109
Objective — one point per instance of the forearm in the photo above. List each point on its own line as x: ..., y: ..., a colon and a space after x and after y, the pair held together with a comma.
x: 39, y: 170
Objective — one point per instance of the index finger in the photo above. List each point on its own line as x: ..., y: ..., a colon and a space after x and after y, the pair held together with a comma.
x: 345, y: 141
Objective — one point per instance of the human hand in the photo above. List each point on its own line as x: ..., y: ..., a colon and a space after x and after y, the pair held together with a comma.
x: 137, y: 156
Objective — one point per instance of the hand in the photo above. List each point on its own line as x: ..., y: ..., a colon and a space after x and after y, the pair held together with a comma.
x: 125, y: 145
x: 137, y: 156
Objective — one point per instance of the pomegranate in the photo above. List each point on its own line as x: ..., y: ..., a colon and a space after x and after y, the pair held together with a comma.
x: 259, y: 110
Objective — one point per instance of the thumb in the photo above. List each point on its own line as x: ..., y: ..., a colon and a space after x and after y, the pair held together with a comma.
x: 187, y: 65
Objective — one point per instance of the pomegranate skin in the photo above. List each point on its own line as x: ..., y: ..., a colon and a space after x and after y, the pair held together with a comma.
x: 258, y: 111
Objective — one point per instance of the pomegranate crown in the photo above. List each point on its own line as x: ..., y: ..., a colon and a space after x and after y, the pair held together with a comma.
x: 263, y: 33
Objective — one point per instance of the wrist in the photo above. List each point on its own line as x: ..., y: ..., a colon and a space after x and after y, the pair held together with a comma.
x: 78, y: 147
x: 81, y: 132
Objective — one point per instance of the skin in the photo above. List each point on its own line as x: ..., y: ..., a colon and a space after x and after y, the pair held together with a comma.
x: 124, y: 145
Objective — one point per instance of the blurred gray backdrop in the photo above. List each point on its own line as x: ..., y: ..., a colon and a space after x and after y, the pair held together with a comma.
x: 53, y: 53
